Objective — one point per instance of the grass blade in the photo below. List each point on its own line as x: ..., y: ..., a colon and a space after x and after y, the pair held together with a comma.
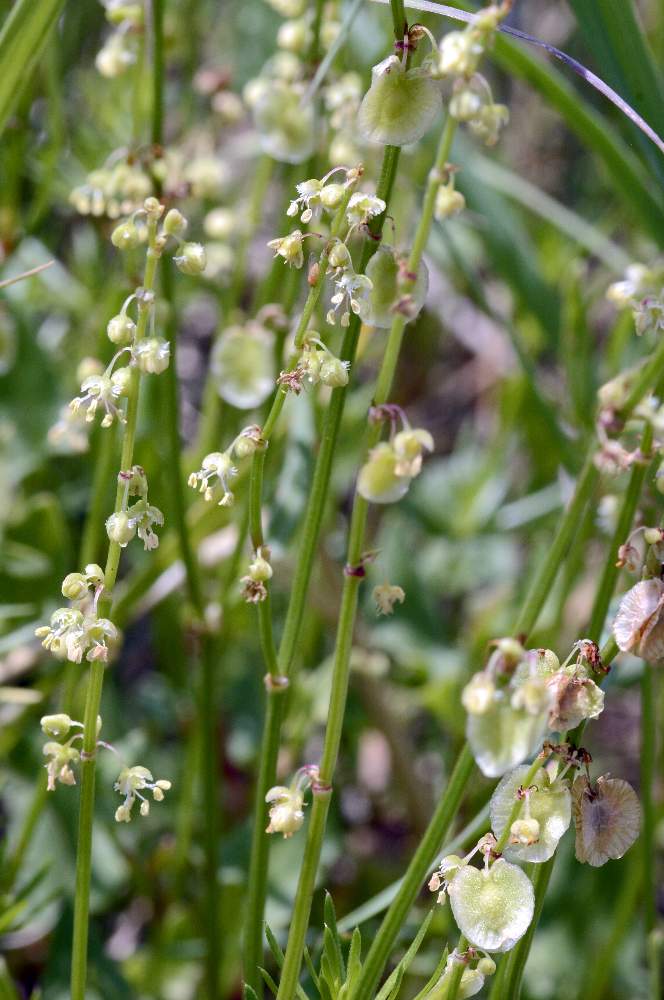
x: 22, y: 39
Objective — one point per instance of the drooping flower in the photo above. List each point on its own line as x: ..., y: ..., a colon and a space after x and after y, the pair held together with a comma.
x: 287, y: 802
x: 99, y: 390
x: 130, y: 783
x: 61, y: 757
x: 72, y: 634
x: 152, y: 355
x: 386, y: 595
x: 214, y: 476
x: 351, y: 296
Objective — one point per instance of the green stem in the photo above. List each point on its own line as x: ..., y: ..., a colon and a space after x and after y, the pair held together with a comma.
x: 356, y: 541
x: 648, y: 775
x: 457, y: 971
x: 610, y: 572
x: 545, y: 577
x: 157, y: 7
x: 93, y: 698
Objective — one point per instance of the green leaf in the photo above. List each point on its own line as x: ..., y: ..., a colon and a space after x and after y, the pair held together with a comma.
x: 22, y: 40
x: 392, y: 984
x: 621, y: 55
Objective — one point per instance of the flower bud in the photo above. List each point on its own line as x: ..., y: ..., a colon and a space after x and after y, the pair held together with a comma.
x: 652, y: 536
x: 192, y: 259
x: 333, y: 371
x: 120, y: 529
x: 75, y: 587
x: 260, y: 569
x: 460, y: 53
x: 286, y: 810
x: 486, y: 966
x: 332, y: 195
x: 125, y: 236
x: 153, y: 207
x: 449, y: 202
x: 339, y: 255
x: 399, y: 106
x: 120, y: 379
x: 94, y: 574
x: 174, y: 223
x: 55, y: 726
x: 121, y: 329
x: 152, y: 355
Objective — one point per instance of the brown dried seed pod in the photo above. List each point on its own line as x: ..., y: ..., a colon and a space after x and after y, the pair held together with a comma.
x: 639, y: 624
x: 607, y: 818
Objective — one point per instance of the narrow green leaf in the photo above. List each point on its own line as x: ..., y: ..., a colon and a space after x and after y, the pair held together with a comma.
x: 623, y: 58
x: 22, y: 39
x: 395, y: 979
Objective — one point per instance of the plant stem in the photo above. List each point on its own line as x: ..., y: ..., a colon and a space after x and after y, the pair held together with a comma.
x: 457, y: 971
x: 96, y: 679
x: 648, y: 774
x: 348, y: 611
x: 157, y: 8
x: 609, y: 576
x: 545, y: 577
x: 516, y: 963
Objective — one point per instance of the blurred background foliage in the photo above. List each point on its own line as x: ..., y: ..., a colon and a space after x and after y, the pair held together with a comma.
x: 502, y: 367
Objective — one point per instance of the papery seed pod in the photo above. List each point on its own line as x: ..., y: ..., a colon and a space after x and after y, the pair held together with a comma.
x: 575, y: 699
x: 400, y: 105
x: 550, y: 804
x: 639, y: 624
x: 607, y: 818
x: 242, y: 365
x: 504, y: 736
x: 492, y: 907
x: 286, y: 127
x: 385, y: 272
x: 378, y: 481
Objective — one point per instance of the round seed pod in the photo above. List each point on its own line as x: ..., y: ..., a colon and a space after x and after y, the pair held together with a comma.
x: 550, y: 806
x: 378, y: 481
x: 399, y: 106
x: 493, y: 908
x: 384, y: 272
x: 242, y: 366
x: 504, y: 735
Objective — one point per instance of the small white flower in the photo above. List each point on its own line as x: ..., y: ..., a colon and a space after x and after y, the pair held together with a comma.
x: 363, y: 207
x: 131, y: 782
x: 352, y: 293
x: 152, y: 355
x: 216, y: 466
x: 290, y: 248
x: 62, y: 756
x: 99, y: 390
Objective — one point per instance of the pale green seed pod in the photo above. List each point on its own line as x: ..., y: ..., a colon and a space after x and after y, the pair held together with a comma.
x: 121, y: 329
x: 125, y: 236
x: 504, y: 736
x: 286, y: 128
x: 192, y: 258
x: 550, y: 805
x: 378, y: 481
x: 332, y: 195
x: 388, y: 290
x: 400, y: 105
x: 486, y: 966
x: 242, y: 365
x: 493, y: 908
x: 333, y: 371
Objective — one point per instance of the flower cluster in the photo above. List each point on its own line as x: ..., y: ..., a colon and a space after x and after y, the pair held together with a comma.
x: 120, y: 50
x: 642, y: 291
x: 77, y: 631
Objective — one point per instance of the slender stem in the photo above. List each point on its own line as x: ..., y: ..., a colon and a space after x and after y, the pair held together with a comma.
x: 648, y: 774
x: 79, y: 958
x: 544, y: 578
x: 457, y: 971
x: 609, y: 576
x: 348, y: 611
x: 157, y: 7
x: 93, y: 699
